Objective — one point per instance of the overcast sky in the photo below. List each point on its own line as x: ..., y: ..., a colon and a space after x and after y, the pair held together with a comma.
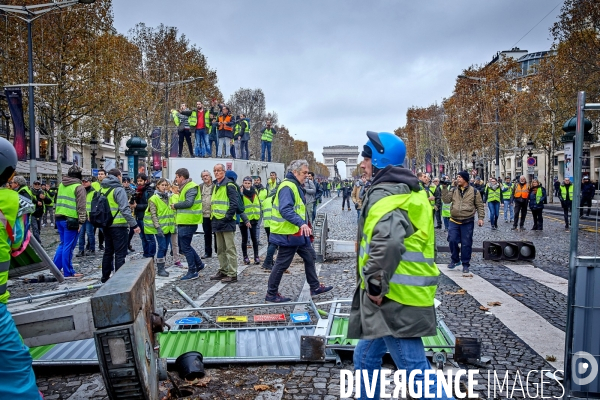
x: 333, y: 69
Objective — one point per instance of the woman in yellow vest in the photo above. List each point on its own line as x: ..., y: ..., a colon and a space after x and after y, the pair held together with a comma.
x: 159, y: 223
x: 174, y: 198
x: 493, y: 196
x: 250, y: 218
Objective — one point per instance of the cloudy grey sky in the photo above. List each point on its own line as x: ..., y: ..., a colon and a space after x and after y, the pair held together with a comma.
x: 333, y: 69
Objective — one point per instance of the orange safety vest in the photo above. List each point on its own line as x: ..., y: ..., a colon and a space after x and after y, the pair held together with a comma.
x: 223, y: 120
x: 521, y: 191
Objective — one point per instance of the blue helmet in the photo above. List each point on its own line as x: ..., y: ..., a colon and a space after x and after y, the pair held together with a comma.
x: 386, y: 149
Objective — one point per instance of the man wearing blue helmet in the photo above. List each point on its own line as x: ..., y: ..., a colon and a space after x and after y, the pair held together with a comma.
x: 393, y: 305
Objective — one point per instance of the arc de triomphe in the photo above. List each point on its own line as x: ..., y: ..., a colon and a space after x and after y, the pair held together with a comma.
x: 347, y: 154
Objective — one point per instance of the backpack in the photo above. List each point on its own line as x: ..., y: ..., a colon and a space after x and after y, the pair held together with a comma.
x: 100, y: 214
x: 240, y: 203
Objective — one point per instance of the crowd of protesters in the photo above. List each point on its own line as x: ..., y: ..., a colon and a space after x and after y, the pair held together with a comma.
x: 216, y: 131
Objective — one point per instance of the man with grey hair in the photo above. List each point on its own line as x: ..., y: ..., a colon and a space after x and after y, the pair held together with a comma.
x: 19, y: 185
x: 291, y: 232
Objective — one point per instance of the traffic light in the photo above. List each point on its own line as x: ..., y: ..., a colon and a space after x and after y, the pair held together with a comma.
x: 510, y: 251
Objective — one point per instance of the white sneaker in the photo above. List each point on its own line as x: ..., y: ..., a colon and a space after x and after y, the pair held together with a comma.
x: 51, y: 224
x: 43, y: 225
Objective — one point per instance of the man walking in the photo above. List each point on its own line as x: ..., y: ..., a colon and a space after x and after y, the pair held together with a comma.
x: 507, y: 199
x: 520, y: 196
x: 116, y: 235
x: 266, y: 141
x: 224, y: 205
x: 310, y: 190
x: 587, y: 194
x: 465, y: 200
x: 393, y: 304
x: 290, y: 231
x: 187, y: 218
x: 206, y: 188
x: 566, y: 199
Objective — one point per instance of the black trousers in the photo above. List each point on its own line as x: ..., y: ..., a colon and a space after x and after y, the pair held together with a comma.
x: 187, y: 135
x: 520, y: 207
x: 344, y: 201
x: 115, y: 250
x: 208, y: 236
x: 437, y: 214
x: 583, y: 203
x: 566, y: 205
x: 538, y: 219
x: 253, y: 236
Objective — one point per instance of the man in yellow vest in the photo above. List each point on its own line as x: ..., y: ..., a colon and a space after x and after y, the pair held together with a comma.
x: 393, y: 302
x: 116, y: 235
x: 70, y: 215
x: 566, y: 199
x: 87, y: 228
x: 97, y: 186
x: 17, y: 380
x: 266, y: 141
x: 187, y: 218
x: 19, y: 185
x: 224, y: 204
x: 290, y: 231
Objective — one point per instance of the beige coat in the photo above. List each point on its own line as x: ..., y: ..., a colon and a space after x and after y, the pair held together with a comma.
x: 206, y: 197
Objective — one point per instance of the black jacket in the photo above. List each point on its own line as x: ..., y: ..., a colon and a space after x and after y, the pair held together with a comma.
x: 588, y: 191
x: 227, y: 224
x: 141, y: 200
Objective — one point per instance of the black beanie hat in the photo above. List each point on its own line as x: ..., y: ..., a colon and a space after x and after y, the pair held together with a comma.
x: 464, y: 175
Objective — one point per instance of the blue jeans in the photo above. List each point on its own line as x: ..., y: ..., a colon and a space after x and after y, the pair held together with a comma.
x: 446, y: 222
x: 461, y: 234
x: 494, y: 207
x: 163, y: 244
x: 508, y: 206
x: 265, y: 145
x: 212, y: 140
x: 244, y: 153
x: 148, y: 245
x: 17, y: 380
x: 408, y: 354
x: 201, y: 147
x: 186, y: 234
x: 63, y: 258
x: 88, y: 229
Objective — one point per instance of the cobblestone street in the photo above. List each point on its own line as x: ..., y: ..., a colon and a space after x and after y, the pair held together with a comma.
x: 525, y: 289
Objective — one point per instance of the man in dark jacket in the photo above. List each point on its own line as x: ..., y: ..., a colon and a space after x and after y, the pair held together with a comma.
x: 565, y: 195
x: 224, y: 204
x: 587, y: 194
x: 40, y: 201
x: 139, y: 204
x: 391, y: 309
x: 290, y: 231
x: 346, y: 195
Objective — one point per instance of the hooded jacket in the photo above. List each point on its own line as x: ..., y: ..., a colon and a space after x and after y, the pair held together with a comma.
x: 367, y: 320
x: 227, y: 224
x: 121, y: 200
x: 80, y: 199
x: 310, y: 191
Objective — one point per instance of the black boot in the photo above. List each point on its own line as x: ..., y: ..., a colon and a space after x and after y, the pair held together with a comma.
x: 161, y: 269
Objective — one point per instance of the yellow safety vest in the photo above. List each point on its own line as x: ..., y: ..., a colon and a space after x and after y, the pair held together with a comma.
x: 563, y: 191
x: 9, y: 204
x: 493, y: 195
x: 416, y: 277
x: 280, y: 225
x: 429, y: 191
x: 96, y: 186
x: 252, y: 208
x: 114, y: 207
x: 219, y: 201
x: 166, y: 217
x: 267, y: 210
x: 65, y: 200
x: 88, y: 201
x: 192, y: 215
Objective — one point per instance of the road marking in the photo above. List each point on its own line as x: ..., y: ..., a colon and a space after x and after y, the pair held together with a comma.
x: 544, y: 338
x: 557, y: 283
x: 324, y: 204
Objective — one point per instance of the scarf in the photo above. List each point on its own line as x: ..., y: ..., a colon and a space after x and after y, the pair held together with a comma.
x: 164, y: 195
x: 249, y: 193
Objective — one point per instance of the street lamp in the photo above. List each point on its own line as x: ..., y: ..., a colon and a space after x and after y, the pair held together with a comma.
x: 497, y: 118
x: 102, y: 161
x: 168, y: 85
x: 94, y: 148
x: 30, y: 14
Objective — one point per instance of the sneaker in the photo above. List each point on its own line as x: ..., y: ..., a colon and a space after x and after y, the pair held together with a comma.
x: 229, y: 279
x: 189, y: 276
x: 256, y: 261
x: 268, y: 267
x: 506, y: 221
x: 201, y: 267
x: 465, y: 270
x: 514, y: 228
x: 320, y: 290
x: 44, y: 225
x: 567, y: 230
x: 131, y: 249
x: 51, y: 223
x: 438, y: 227
x: 178, y: 264
x: 278, y: 298
x: 454, y: 265
x: 246, y: 260
x: 218, y: 276
x: 206, y: 255
x: 80, y: 254
x: 101, y: 247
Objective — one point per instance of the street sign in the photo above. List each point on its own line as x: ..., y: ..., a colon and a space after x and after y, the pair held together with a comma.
x: 473, y: 172
x: 95, y: 172
x: 530, y: 170
x: 531, y: 161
